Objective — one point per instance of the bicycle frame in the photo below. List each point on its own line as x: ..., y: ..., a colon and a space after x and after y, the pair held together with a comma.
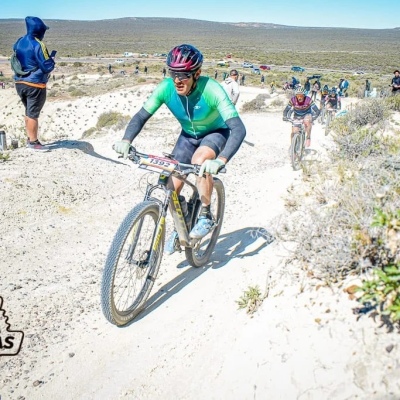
x: 171, y: 199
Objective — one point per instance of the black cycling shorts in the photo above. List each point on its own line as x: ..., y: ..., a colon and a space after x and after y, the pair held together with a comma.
x: 186, y: 145
x: 32, y: 98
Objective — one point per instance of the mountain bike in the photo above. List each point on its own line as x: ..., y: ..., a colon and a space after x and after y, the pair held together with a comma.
x: 330, y: 114
x: 136, y: 251
x: 321, y: 117
x: 298, y: 144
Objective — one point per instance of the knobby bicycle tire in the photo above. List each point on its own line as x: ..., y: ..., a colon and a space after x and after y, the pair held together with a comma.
x: 200, y: 254
x: 321, y: 117
x: 296, y: 151
x: 132, y: 264
x: 327, y: 122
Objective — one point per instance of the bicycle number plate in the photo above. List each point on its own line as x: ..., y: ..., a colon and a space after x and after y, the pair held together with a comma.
x: 156, y: 163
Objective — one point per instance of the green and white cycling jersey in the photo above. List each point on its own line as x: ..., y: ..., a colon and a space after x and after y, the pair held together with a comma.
x: 204, y: 111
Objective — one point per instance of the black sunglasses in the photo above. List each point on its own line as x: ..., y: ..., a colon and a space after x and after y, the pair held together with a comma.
x: 182, y: 76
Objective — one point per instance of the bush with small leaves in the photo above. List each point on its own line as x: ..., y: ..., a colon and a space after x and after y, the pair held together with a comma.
x: 112, y: 119
x: 381, y: 246
x: 256, y: 105
x: 393, y: 102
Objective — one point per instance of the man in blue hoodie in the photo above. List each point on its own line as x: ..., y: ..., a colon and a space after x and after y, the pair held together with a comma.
x: 31, y: 88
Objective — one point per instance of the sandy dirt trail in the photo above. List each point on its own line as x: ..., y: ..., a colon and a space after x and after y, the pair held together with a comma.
x: 60, y: 211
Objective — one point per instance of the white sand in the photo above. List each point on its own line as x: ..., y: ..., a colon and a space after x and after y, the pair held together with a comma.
x: 59, y: 212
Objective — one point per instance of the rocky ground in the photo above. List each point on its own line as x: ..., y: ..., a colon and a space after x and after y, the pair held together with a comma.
x: 59, y: 212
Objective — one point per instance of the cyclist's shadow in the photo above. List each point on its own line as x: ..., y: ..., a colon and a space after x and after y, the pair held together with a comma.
x: 243, y: 243
x: 311, y: 156
x: 81, y: 145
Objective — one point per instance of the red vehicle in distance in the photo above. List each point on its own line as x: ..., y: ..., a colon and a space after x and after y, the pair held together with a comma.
x: 265, y: 67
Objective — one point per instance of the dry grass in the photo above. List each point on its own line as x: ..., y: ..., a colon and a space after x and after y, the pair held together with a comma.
x: 332, y: 224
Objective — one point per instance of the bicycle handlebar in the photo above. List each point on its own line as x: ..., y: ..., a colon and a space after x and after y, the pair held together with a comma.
x: 182, y: 168
x: 294, y: 121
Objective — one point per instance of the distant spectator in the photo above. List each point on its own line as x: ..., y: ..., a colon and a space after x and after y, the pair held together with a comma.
x: 295, y: 82
x: 307, y: 86
x: 137, y: 69
x: 343, y: 86
x: 396, y: 82
x: 224, y: 76
x: 231, y: 86
x: 242, y: 79
x: 31, y: 88
x: 164, y: 71
x: 215, y: 74
x: 314, y: 90
x: 110, y: 69
x: 367, y: 88
x: 262, y: 80
x: 145, y: 70
x: 1, y: 73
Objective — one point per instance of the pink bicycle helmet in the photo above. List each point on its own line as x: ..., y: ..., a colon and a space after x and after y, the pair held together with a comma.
x: 185, y: 58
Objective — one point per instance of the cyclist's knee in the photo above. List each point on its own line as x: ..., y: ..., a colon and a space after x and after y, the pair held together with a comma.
x: 202, y: 154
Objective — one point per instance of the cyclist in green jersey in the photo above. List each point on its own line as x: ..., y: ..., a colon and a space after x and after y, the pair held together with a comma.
x: 212, y: 130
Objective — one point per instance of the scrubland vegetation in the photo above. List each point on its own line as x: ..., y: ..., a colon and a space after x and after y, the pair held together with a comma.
x: 345, y: 216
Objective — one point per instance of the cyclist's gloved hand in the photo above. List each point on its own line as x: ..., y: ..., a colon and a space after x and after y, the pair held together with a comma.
x: 211, y: 166
x: 122, y: 147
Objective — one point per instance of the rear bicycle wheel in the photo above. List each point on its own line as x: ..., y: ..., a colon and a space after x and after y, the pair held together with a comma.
x: 132, y: 264
x: 199, y: 255
x: 296, y: 151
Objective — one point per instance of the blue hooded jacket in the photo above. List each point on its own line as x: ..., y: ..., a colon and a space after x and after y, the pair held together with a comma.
x: 32, y: 53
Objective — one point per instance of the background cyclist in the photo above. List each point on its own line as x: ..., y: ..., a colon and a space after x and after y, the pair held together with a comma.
x: 303, y: 109
x: 396, y: 82
x: 332, y: 100
x: 212, y: 130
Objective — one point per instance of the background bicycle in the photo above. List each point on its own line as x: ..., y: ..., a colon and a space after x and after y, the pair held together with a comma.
x: 297, y: 144
x: 136, y: 251
x: 330, y: 114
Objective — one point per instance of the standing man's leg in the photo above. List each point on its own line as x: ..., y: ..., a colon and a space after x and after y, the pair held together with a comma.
x: 32, y: 128
x: 33, y: 99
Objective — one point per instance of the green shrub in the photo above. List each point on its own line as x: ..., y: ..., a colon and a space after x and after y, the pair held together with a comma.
x: 89, y: 132
x: 381, y: 249
x: 112, y: 118
x: 256, y: 105
x: 393, y: 102
x: 78, y: 93
x: 357, y: 132
x: 277, y: 103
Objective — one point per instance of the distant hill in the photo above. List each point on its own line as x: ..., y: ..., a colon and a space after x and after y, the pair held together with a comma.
x: 370, y: 49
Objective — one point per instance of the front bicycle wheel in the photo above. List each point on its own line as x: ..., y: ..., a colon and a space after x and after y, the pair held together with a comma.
x: 132, y: 264
x: 296, y: 151
x: 322, y: 116
x: 199, y: 255
x: 327, y: 122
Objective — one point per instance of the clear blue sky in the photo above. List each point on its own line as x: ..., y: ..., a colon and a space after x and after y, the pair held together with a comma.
x: 374, y: 14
